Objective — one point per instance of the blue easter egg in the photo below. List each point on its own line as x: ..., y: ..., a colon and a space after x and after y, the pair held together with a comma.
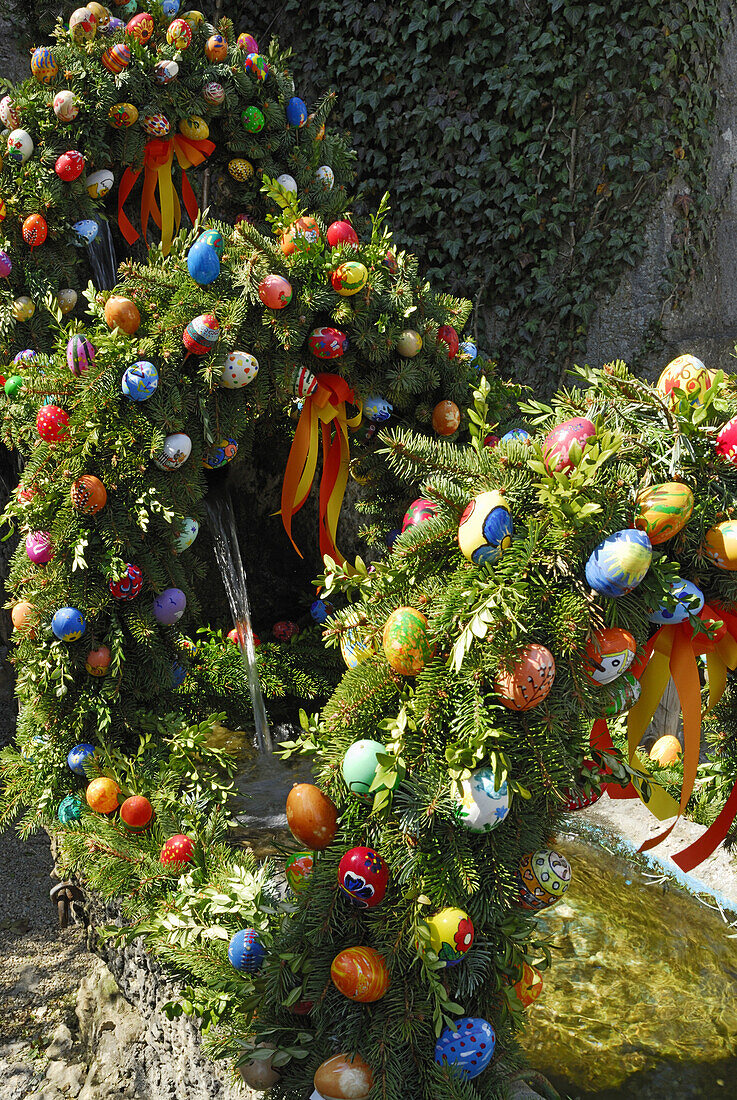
x: 178, y: 674
x: 391, y: 537
x: 77, y: 757
x: 469, y: 348
x: 68, y: 624
x: 619, y: 563
x: 321, y: 610
x: 690, y: 600
x: 70, y: 809
x: 86, y: 231
x: 516, y: 433
x: 140, y: 380
x: 170, y: 8
x: 246, y: 952
x: 468, y: 1046
x: 203, y: 264
x: 377, y: 409
x: 220, y: 453
x: 113, y: 25
x: 296, y: 111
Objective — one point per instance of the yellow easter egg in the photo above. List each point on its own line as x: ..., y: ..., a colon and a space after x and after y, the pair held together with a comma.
x: 663, y: 510
x: 194, y: 128
x: 687, y: 374
x: 720, y: 545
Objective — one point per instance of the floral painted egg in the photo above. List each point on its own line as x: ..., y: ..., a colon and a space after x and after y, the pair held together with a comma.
x: 80, y: 354
x: 141, y: 27
x: 240, y: 169
x: 43, y: 65
x: 354, y: 649
x: 154, y: 123
x: 720, y: 545
x: 116, y: 58
x: 247, y: 42
x: 349, y: 278
x: 288, y: 182
x: 409, y: 343
x: 468, y: 1046
x: 619, y: 563
x: 82, y: 25
x: 52, y: 423
x: 311, y: 816
x: 239, y: 368
x: 213, y: 93
x: 663, y: 510
x: 98, y: 661
x: 363, y: 876
x: 296, y: 112
x: 23, y: 308
x: 88, y: 495
x: 485, y: 530
x: 219, y: 454
x: 68, y: 624
x: 38, y: 547
x: 448, y: 336
x: 179, y: 34
x: 187, y: 530
x: 9, y: 113
x: 689, y: 601
x: 328, y: 343
x: 194, y: 18
x: 529, y: 681
x: 246, y: 951
x: 406, y: 641
x: 35, y: 230
x: 344, y: 1077
x: 252, y: 120
x: 177, y: 849
x: 303, y: 382
x: 99, y: 183
x: 623, y: 695
x: 201, y: 334
x: 67, y: 300
x: 257, y: 65
x: 529, y: 986
x: 19, y: 146
x: 275, y: 291
x: 377, y: 409
x: 140, y: 380
x: 298, y: 869
x: 70, y: 809
x: 102, y: 795
x: 610, y: 652
x: 557, y: 444
x: 129, y: 585
x: 302, y: 235
x: 122, y: 115
x: 169, y: 606
x: 726, y: 443
x: 360, y: 764
x: 481, y: 804
x: 688, y: 375
x: 542, y: 878
x: 216, y: 48
x: 194, y: 127
x: 175, y: 452
x: 325, y: 177
x: 418, y: 511
x: 360, y: 974
x: 451, y: 934
x: 6, y: 264
x: 85, y: 231
x: 341, y: 233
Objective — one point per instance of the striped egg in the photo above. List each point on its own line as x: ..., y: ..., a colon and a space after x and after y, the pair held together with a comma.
x: 43, y: 65
x: 201, y: 334
x: 116, y: 58
x: 80, y: 354
x: 663, y: 510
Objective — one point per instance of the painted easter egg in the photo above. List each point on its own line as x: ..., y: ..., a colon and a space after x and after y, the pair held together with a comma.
x: 288, y: 182
x: 9, y: 113
x: 177, y: 849
x: 122, y: 313
x: 328, y: 342
x: 542, y: 878
x: 141, y: 27
x: 88, y: 495
x: 240, y: 169
x: 298, y: 869
x: 354, y: 649
x: 85, y: 232
x: 43, y: 65
x: 67, y: 299
x: 275, y: 291
x: 213, y: 93
x: 304, y: 234
x: 686, y: 375
x: 68, y: 624
x: 623, y: 694
x: 468, y: 1046
x: 203, y: 264
x: 82, y: 25
x: 577, y: 799
x: 516, y: 435
x: 38, y: 547
x: 257, y: 65
x: 216, y: 48
x: 22, y: 616
x: 69, y: 166
x: 179, y: 34
x: 136, y: 813
x: 349, y: 278
x: 116, y: 58
x: 140, y: 380
x: 99, y: 183
x: 311, y: 816
x: 619, y: 563
x: 303, y: 382
x: 320, y: 611
x: 377, y: 409
x: 341, y: 232
x: 360, y: 974
x: 169, y: 606
x: 529, y: 681
x: 194, y: 127
x: 175, y: 452
x: 113, y: 25
x: 247, y: 42
x: 363, y: 877
x: 689, y: 601
x: 726, y: 442
x: 239, y: 368
x: 325, y: 177
x: 19, y: 146
x: 610, y: 652
x: 194, y: 18
x: 155, y: 124
x: 529, y: 985
x: 252, y: 120
x: 13, y: 385
x: 285, y: 630
x: 219, y: 454
x: 406, y: 641
x: 246, y: 952
x: 296, y: 111
x: 122, y: 115
x: 70, y: 809
x: 178, y: 674
x: 557, y: 444
x: 344, y: 1077
x: 451, y: 934
x: 720, y: 545
x: 52, y: 423
x: 6, y: 264
x: 666, y: 750
x: 35, y: 230
x: 482, y: 805
x: 486, y: 528
x: 201, y: 334
x: 467, y: 347
x: 98, y: 661
x: 102, y: 795
x: 409, y: 343
x: 129, y: 585
x: 80, y: 354
x: 101, y: 14
x: 23, y: 308
x: 663, y: 510
x: 418, y: 511
x: 448, y: 336
x: 360, y: 765
x: 187, y: 530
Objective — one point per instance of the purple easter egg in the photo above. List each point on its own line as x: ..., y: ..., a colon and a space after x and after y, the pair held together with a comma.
x: 25, y: 356
x: 6, y: 265
x: 169, y: 607
x: 38, y: 547
x: 80, y: 354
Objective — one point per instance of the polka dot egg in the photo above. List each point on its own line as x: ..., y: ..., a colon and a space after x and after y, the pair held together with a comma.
x: 468, y: 1046
x: 542, y: 878
x: 239, y: 368
x: 52, y: 423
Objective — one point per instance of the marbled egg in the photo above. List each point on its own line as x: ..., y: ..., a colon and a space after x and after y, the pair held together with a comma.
x: 349, y: 278
x: 239, y: 368
x: 360, y: 974
x: 99, y: 183
x: 344, y: 1077
x: 468, y: 1046
x: 557, y: 444
x: 311, y: 816
x: 406, y: 641
x: 409, y: 343
x: 43, y: 65
x: 328, y: 342
x: 482, y: 805
x: 663, y: 510
x: 19, y: 146
x: 486, y: 528
x: 140, y: 380
x: 528, y: 682
x: 688, y: 375
x: 201, y: 334
x: 720, y: 545
x: 689, y: 601
x: 175, y: 452
x: 610, y: 652
x: 186, y: 531
x: 542, y: 878
x: 77, y: 757
x: 219, y: 454
x: 169, y: 606
x: 619, y: 563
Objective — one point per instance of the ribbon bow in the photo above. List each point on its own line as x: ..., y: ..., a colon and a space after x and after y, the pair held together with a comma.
x: 158, y: 157
x: 324, y: 409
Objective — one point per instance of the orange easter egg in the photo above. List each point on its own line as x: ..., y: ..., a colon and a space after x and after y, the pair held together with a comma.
x: 122, y: 313
x: 311, y: 815
x: 361, y: 974
x: 102, y: 795
x: 344, y: 1077
x: 22, y: 615
x: 529, y: 682
x: 666, y: 750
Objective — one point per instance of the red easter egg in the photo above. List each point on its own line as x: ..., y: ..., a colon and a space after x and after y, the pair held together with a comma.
x: 726, y: 444
x: 102, y: 795
x: 233, y: 637
x: 419, y: 510
x: 284, y: 630
x: 557, y: 444
x: 328, y: 342
x: 342, y: 233
x: 69, y: 166
x: 529, y: 681
x: 98, y: 661
x: 529, y: 986
x: 363, y: 877
x: 140, y: 27
x: 35, y: 230
x: 177, y: 849
x: 275, y: 291
x: 391, y: 262
x: 129, y: 585
x: 136, y: 812
x: 311, y: 815
x: 52, y: 423
x: 361, y: 974
x: 491, y: 441
x: 447, y: 335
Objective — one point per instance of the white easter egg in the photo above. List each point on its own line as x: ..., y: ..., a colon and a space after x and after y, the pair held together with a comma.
x: 186, y: 531
x: 239, y: 369
x: 325, y: 176
x: 288, y: 182
x: 20, y: 146
x: 175, y: 452
x: 66, y: 107
x: 99, y: 183
x: 482, y: 805
x: 165, y: 71
x: 8, y: 113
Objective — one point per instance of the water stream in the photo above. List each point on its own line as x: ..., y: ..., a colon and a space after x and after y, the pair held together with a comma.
x: 101, y: 252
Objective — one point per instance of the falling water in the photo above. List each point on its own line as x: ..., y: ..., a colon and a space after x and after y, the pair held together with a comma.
x: 101, y: 252
x: 222, y: 524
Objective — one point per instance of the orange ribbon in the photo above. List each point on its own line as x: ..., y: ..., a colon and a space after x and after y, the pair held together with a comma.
x: 324, y: 409
x: 158, y: 158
